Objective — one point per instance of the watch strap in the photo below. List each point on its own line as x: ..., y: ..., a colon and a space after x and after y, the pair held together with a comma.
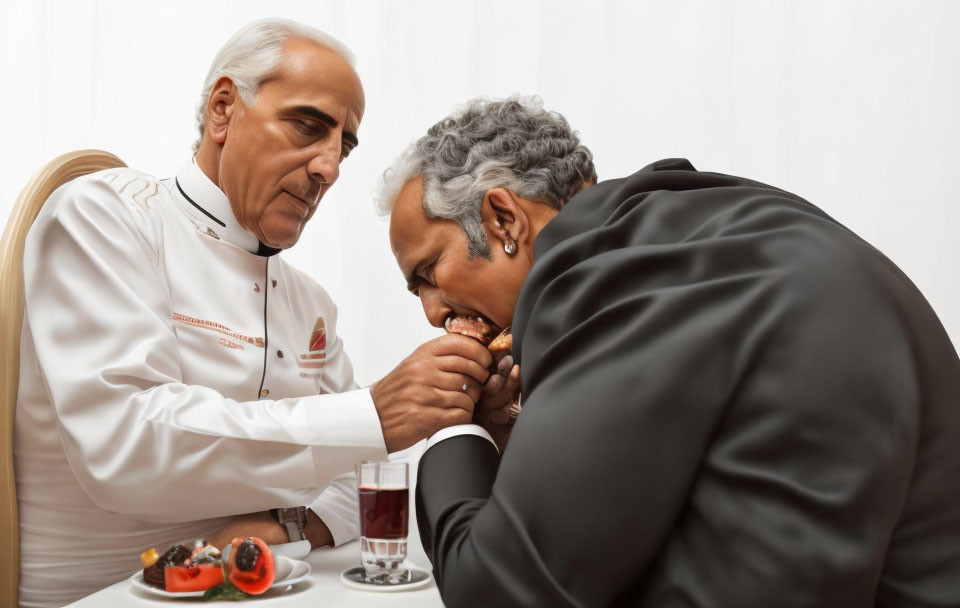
x: 293, y: 519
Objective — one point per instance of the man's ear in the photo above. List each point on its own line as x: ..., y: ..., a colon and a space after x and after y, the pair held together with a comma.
x: 221, y: 106
x: 503, y: 216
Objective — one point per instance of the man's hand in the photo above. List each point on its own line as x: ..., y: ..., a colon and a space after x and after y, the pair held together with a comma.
x: 497, y: 396
x: 425, y: 392
x: 265, y: 527
x: 262, y: 525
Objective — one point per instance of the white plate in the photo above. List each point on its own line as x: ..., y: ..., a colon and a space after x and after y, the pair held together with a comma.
x: 288, y: 572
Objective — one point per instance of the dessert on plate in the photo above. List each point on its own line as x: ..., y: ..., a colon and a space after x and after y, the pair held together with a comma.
x: 250, y: 570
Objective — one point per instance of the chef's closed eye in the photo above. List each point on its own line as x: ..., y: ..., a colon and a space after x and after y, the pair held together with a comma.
x: 310, y: 128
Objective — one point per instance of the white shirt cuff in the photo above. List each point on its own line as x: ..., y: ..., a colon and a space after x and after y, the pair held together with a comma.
x: 456, y: 431
x: 346, y: 429
x: 337, y: 509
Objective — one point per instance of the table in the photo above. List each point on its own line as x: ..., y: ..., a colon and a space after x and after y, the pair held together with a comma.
x: 323, y: 588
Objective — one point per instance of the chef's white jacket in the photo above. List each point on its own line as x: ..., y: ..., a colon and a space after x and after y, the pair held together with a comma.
x: 173, y: 373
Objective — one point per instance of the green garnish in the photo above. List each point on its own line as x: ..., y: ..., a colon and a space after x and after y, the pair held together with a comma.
x: 224, y: 591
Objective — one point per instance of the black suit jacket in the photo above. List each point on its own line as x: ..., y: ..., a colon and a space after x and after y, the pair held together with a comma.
x: 729, y: 400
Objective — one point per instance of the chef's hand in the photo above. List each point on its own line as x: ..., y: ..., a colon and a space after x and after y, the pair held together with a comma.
x: 500, y: 392
x: 265, y: 527
x: 262, y: 525
x: 425, y: 392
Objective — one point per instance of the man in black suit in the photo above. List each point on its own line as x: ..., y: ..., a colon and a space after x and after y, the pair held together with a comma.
x: 729, y: 399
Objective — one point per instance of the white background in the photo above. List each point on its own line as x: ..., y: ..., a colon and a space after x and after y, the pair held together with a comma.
x: 854, y: 105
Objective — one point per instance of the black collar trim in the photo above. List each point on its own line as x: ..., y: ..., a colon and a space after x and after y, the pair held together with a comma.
x: 266, y: 250
x: 202, y: 210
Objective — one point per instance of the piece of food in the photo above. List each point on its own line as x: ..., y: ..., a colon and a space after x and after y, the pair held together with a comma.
x: 205, y: 553
x: 498, y: 342
x: 196, y: 577
x: 251, y: 566
x: 149, y: 557
x: 478, y: 327
x: 503, y: 342
x: 474, y: 326
x: 180, y: 569
x: 500, y: 347
x: 154, y: 574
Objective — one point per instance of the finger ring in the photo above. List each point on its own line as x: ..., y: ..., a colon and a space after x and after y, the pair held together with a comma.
x: 464, y: 387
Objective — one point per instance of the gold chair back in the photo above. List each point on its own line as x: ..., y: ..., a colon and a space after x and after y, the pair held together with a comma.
x: 53, y: 175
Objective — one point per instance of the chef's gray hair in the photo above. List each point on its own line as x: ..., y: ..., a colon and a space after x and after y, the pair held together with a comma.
x: 250, y: 56
x: 513, y: 143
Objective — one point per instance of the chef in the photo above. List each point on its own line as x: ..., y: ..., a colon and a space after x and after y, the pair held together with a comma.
x: 175, y: 370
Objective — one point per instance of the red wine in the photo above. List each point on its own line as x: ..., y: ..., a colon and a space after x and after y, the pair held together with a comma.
x: 383, y: 513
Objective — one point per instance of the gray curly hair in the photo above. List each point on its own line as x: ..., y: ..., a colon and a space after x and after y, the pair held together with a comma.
x: 513, y: 143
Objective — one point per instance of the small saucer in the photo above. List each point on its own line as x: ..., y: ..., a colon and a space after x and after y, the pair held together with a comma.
x: 412, y: 579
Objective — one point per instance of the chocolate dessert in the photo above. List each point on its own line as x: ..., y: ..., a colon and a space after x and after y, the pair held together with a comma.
x: 153, y: 574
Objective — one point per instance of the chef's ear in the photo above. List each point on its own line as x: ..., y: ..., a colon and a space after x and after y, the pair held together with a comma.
x: 504, y: 217
x: 220, y: 108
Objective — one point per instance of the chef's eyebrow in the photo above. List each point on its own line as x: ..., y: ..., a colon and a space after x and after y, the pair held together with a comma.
x: 330, y: 121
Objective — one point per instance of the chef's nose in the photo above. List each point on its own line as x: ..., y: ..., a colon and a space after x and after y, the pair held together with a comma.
x: 324, y: 165
x: 434, y: 307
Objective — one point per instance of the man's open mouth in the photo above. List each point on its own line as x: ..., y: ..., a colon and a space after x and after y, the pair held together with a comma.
x: 473, y: 326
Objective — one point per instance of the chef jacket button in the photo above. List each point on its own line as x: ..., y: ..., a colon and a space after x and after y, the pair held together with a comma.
x: 280, y: 354
x: 264, y: 393
x: 274, y: 282
x: 256, y: 287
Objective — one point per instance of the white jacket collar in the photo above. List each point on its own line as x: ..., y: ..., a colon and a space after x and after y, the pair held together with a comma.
x: 205, y: 197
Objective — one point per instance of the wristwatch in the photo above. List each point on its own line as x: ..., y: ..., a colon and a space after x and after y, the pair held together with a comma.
x: 293, y: 519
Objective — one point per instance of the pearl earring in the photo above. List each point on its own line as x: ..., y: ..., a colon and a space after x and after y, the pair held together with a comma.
x: 509, y: 245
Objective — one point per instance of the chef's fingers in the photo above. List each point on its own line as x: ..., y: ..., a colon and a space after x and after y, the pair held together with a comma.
x: 460, y: 365
x: 458, y: 401
x: 459, y: 383
x: 461, y: 346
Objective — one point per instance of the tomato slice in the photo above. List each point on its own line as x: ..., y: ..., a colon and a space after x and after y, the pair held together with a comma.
x: 195, y: 578
x: 259, y: 578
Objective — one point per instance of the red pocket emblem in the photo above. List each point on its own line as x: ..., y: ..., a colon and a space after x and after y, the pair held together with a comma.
x: 311, y: 363
x: 318, y: 338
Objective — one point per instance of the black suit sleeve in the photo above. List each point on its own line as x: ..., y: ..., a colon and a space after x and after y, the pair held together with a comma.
x: 441, y: 469
x: 700, y: 411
